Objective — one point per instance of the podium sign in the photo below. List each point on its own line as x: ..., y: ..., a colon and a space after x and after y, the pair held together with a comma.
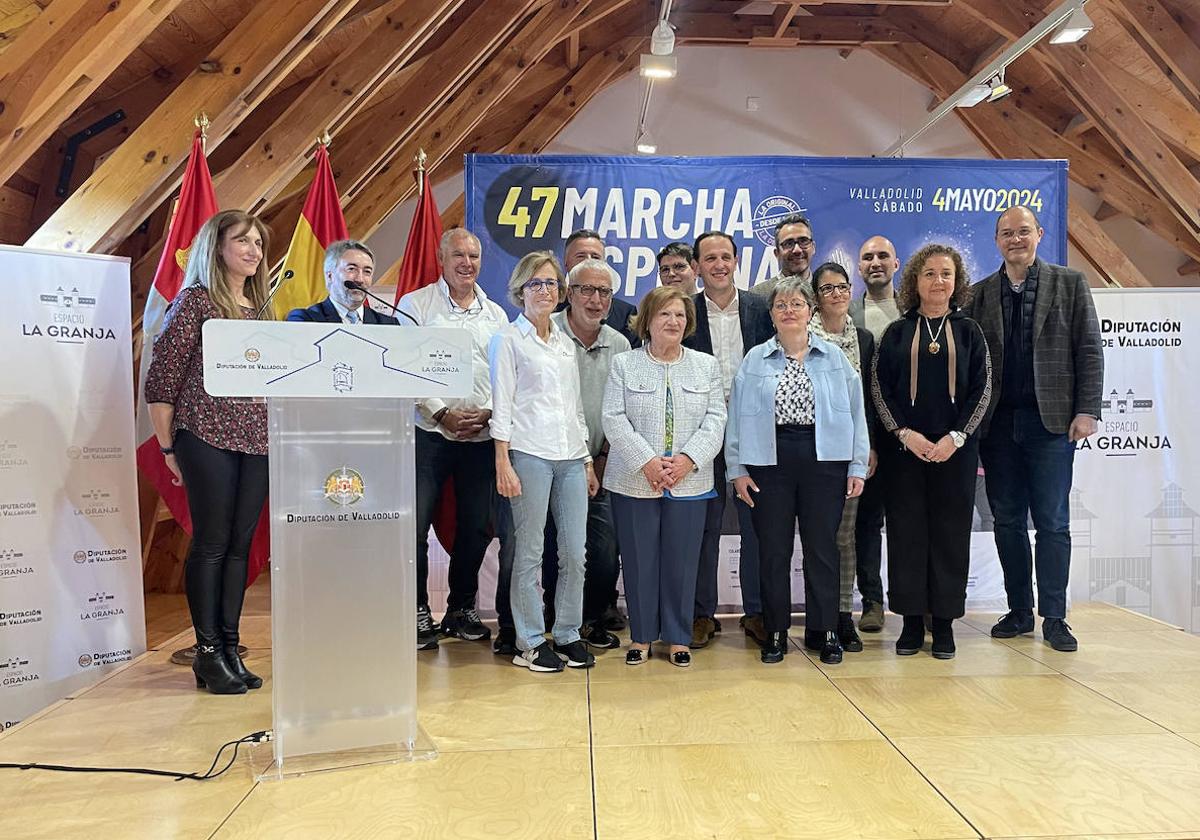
x: 343, y: 544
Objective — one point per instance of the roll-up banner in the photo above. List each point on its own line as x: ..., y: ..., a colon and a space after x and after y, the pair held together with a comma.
x: 521, y: 203
x: 71, y: 607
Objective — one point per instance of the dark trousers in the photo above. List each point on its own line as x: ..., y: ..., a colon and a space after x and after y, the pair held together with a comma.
x: 1028, y: 474
x: 868, y: 539
x: 799, y: 489
x: 661, y: 541
x: 502, y: 525
x: 473, y: 468
x: 710, y: 550
x: 226, y: 491
x: 602, y: 567
x: 929, y: 510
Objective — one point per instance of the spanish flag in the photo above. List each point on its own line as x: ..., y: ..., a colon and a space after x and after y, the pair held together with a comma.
x: 302, y: 279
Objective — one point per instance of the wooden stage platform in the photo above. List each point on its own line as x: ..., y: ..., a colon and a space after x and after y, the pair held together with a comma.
x: 1010, y: 739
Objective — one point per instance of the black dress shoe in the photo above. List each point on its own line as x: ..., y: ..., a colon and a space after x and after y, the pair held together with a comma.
x: 1012, y: 624
x: 1057, y: 634
x: 943, y: 638
x: 213, y: 672
x: 596, y: 636
x: 775, y: 648
x: 239, y: 668
x: 682, y: 658
x: 847, y: 635
x: 505, y: 643
x: 813, y: 640
x: 912, y: 637
x: 636, y: 656
x: 831, y: 651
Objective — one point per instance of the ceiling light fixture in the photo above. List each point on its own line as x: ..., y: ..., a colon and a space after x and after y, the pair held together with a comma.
x: 1073, y: 28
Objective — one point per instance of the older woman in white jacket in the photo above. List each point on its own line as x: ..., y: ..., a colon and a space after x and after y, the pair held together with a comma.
x: 664, y: 417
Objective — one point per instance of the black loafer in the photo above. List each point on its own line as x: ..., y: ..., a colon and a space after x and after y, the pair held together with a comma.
x: 831, y: 651
x: 1057, y: 634
x: 682, y: 658
x: 636, y: 656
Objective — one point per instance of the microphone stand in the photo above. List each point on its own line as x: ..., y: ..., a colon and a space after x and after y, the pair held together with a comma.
x: 287, y: 275
x: 359, y: 287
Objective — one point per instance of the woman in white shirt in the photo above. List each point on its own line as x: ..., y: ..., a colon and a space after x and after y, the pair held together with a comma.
x: 664, y: 417
x: 542, y: 461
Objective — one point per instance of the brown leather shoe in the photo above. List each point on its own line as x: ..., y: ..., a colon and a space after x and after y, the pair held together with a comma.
x: 872, y: 617
x: 753, y: 625
x: 703, y: 630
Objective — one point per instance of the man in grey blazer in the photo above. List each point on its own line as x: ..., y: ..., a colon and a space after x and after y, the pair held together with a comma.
x: 1045, y: 351
x: 728, y: 324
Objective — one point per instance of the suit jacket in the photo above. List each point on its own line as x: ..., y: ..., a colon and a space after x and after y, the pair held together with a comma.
x: 753, y: 314
x: 858, y: 311
x: 326, y: 311
x: 619, y: 313
x: 1068, y: 361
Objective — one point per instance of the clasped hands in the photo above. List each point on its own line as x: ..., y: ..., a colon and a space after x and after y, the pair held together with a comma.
x: 926, y: 450
x: 665, y: 471
x: 465, y: 423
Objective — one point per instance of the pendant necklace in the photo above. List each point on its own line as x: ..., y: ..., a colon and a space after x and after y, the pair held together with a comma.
x: 934, y: 346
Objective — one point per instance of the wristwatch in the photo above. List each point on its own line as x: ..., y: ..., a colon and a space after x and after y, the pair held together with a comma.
x: 959, y: 439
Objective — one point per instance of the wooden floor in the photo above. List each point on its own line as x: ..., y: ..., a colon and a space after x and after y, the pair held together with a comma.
x: 1010, y: 739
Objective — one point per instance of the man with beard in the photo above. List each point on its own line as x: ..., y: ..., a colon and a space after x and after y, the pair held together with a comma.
x: 794, y: 248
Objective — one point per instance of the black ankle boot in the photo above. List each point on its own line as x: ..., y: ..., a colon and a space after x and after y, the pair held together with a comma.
x: 213, y: 672
x: 239, y: 668
x: 847, y: 635
x: 943, y: 638
x: 912, y: 637
x: 775, y: 648
x: 831, y: 651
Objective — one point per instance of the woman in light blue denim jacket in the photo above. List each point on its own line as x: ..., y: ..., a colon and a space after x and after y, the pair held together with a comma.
x: 796, y: 447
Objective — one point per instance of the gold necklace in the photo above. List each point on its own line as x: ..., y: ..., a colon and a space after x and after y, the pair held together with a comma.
x: 934, y: 346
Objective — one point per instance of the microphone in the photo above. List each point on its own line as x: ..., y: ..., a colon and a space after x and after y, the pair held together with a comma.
x: 355, y: 286
x: 287, y: 275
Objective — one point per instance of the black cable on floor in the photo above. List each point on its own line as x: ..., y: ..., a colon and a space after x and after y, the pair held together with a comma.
x: 252, y: 738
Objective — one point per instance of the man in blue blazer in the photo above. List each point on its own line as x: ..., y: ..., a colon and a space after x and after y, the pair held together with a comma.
x: 345, y: 260
x: 728, y: 324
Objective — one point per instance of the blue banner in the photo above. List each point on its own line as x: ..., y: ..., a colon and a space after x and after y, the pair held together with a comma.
x: 521, y: 203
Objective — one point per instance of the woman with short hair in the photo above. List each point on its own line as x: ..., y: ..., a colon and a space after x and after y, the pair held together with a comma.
x: 664, y: 418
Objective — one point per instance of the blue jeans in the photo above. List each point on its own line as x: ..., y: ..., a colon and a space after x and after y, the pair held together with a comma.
x: 1028, y: 474
x: 559, y: 487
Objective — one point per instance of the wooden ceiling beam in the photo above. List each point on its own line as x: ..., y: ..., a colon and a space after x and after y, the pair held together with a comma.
x: 1190, y: 266
x: 146, y: 168
x: 714, y: 28
x: 1107, y: 257
x: 59, y: 61
x: 369, y: 206
x: 1171, y: 116
x: 1106, y: 211
x: 1166, y: 42
x: 334, y: 95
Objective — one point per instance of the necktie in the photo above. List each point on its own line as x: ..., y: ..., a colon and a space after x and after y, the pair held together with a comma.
x: 352, y: 317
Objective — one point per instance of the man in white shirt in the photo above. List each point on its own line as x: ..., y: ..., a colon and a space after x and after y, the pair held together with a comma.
x: 877, y: 265
x: 794, y: 248
x: 453, y: 440
x: 728, y: 324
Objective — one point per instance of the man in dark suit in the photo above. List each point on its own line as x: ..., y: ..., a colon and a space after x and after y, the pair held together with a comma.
x: 728, y: 324
x: 345, y: 260
x: 1045, y: 351
x: 585, y: 244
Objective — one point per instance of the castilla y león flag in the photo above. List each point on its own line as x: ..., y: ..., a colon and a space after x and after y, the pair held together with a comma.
x: 197, y: 203
x: 302, y: 279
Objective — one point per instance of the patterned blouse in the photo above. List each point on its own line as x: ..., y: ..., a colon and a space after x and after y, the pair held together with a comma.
x: 176, y: 376
x: 794, y: 400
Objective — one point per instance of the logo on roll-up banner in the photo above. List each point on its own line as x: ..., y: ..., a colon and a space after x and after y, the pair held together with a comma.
x: 19, y: 616
x: 95, y: 453
x: 96, y: 502
x: 11, y: 455
x: 344, y: 487
x: 108, y: 657
x: 101, y: 606
x: 13, y: 564
x: 99, y: 555
x: 14, y: 509
x: 1128, y: 428
x: 16, y: 671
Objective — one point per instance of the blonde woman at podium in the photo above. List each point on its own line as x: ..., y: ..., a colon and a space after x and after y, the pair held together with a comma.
x: 216, y: 446
x: 542, y: 461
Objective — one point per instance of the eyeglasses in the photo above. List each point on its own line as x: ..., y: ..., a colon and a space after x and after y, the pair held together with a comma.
x: 668, y: 270
x: 832, y: 290
x: 790, y: 306
x: 1022, y: 233
x: 796, y: 242
x: 588, y: 291
x: 541, y: 285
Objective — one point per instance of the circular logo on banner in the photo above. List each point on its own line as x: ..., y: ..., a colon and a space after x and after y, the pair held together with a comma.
x: 79, y: 556
x: 344, y: 487
x: 523, y: 210
x: 768, y: 213
x: 73, y: 452
x: 85, y: 661
x: 252, y: 354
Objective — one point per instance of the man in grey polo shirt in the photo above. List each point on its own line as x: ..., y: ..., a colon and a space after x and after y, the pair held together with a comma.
x: 590, y: 286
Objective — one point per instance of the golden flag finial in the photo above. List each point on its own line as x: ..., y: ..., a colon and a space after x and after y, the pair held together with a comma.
x: 420, y: 159
x: 202, y: 122
x: 324, y: 139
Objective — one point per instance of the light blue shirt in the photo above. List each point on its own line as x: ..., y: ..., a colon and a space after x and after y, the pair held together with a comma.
x: 841, y: 420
